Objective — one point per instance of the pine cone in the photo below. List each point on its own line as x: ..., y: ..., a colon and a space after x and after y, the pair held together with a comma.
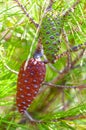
x: 50, y: 31
x: 29, y: 81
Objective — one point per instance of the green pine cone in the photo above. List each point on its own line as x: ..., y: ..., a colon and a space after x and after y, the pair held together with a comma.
x: 50, y: 31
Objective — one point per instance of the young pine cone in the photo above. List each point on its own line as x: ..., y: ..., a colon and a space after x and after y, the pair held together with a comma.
x: 49, y: 33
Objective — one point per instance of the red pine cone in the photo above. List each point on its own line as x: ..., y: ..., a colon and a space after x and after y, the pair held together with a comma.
x: 29, y: 81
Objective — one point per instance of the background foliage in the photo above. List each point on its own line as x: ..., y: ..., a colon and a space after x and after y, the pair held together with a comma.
x: 58, y: 107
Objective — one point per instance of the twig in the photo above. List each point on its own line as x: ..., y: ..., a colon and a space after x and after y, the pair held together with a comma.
x: 73, y: 49
x: 66, y: 69
x: 76, y: 117
x: 68, y: 48
x: 50, y: 5
x: 77, y: 58
x: 69, y: 118
x: 61, y: 76
x: 65, y: 53
x: 26, y: 13
x: 63, y: 86
x: 71, y: 8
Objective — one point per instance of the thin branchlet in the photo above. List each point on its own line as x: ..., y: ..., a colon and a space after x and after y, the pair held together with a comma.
x: 70, y: 9
x: 64, y: 86
x: 65, y: 53
x: 66, y: 69
x: 67, y: 45
x: 26, y: 13
x: 73, y: 49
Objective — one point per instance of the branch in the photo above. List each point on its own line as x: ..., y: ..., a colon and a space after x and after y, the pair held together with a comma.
x: 63, y: 86
x: 26, y: 13
x: 65, y: 53
x: 71, y: 118
x: 66, y: 69
x: 71, y: 9
x: 50, y: 5
x: 76, y: 117
x: 73, y: 49
x: 80, y: 55
x: 68, y: 52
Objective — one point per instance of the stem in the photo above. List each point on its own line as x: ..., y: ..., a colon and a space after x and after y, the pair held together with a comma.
x: 69, y: 60
x: 73, y: 49
x: 66, y: 69
x: 71, y: 8
x: 63, y: 86
x: 26, y: 13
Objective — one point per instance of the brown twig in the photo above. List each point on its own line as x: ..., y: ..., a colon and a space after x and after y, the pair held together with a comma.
x: 71, y: 9
x: 26, y: 13
x: 66, y: 69
x: 76, y: 117
x: 63, y: 86
x: 50, y: 5
x: 60, y: 88
x: 65, y: 53
x: 78, y: 57
x: 69, y: 60
x: 73, y: 49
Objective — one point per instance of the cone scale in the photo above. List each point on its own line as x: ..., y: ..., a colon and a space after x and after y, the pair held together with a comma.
x: 29, y: 82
